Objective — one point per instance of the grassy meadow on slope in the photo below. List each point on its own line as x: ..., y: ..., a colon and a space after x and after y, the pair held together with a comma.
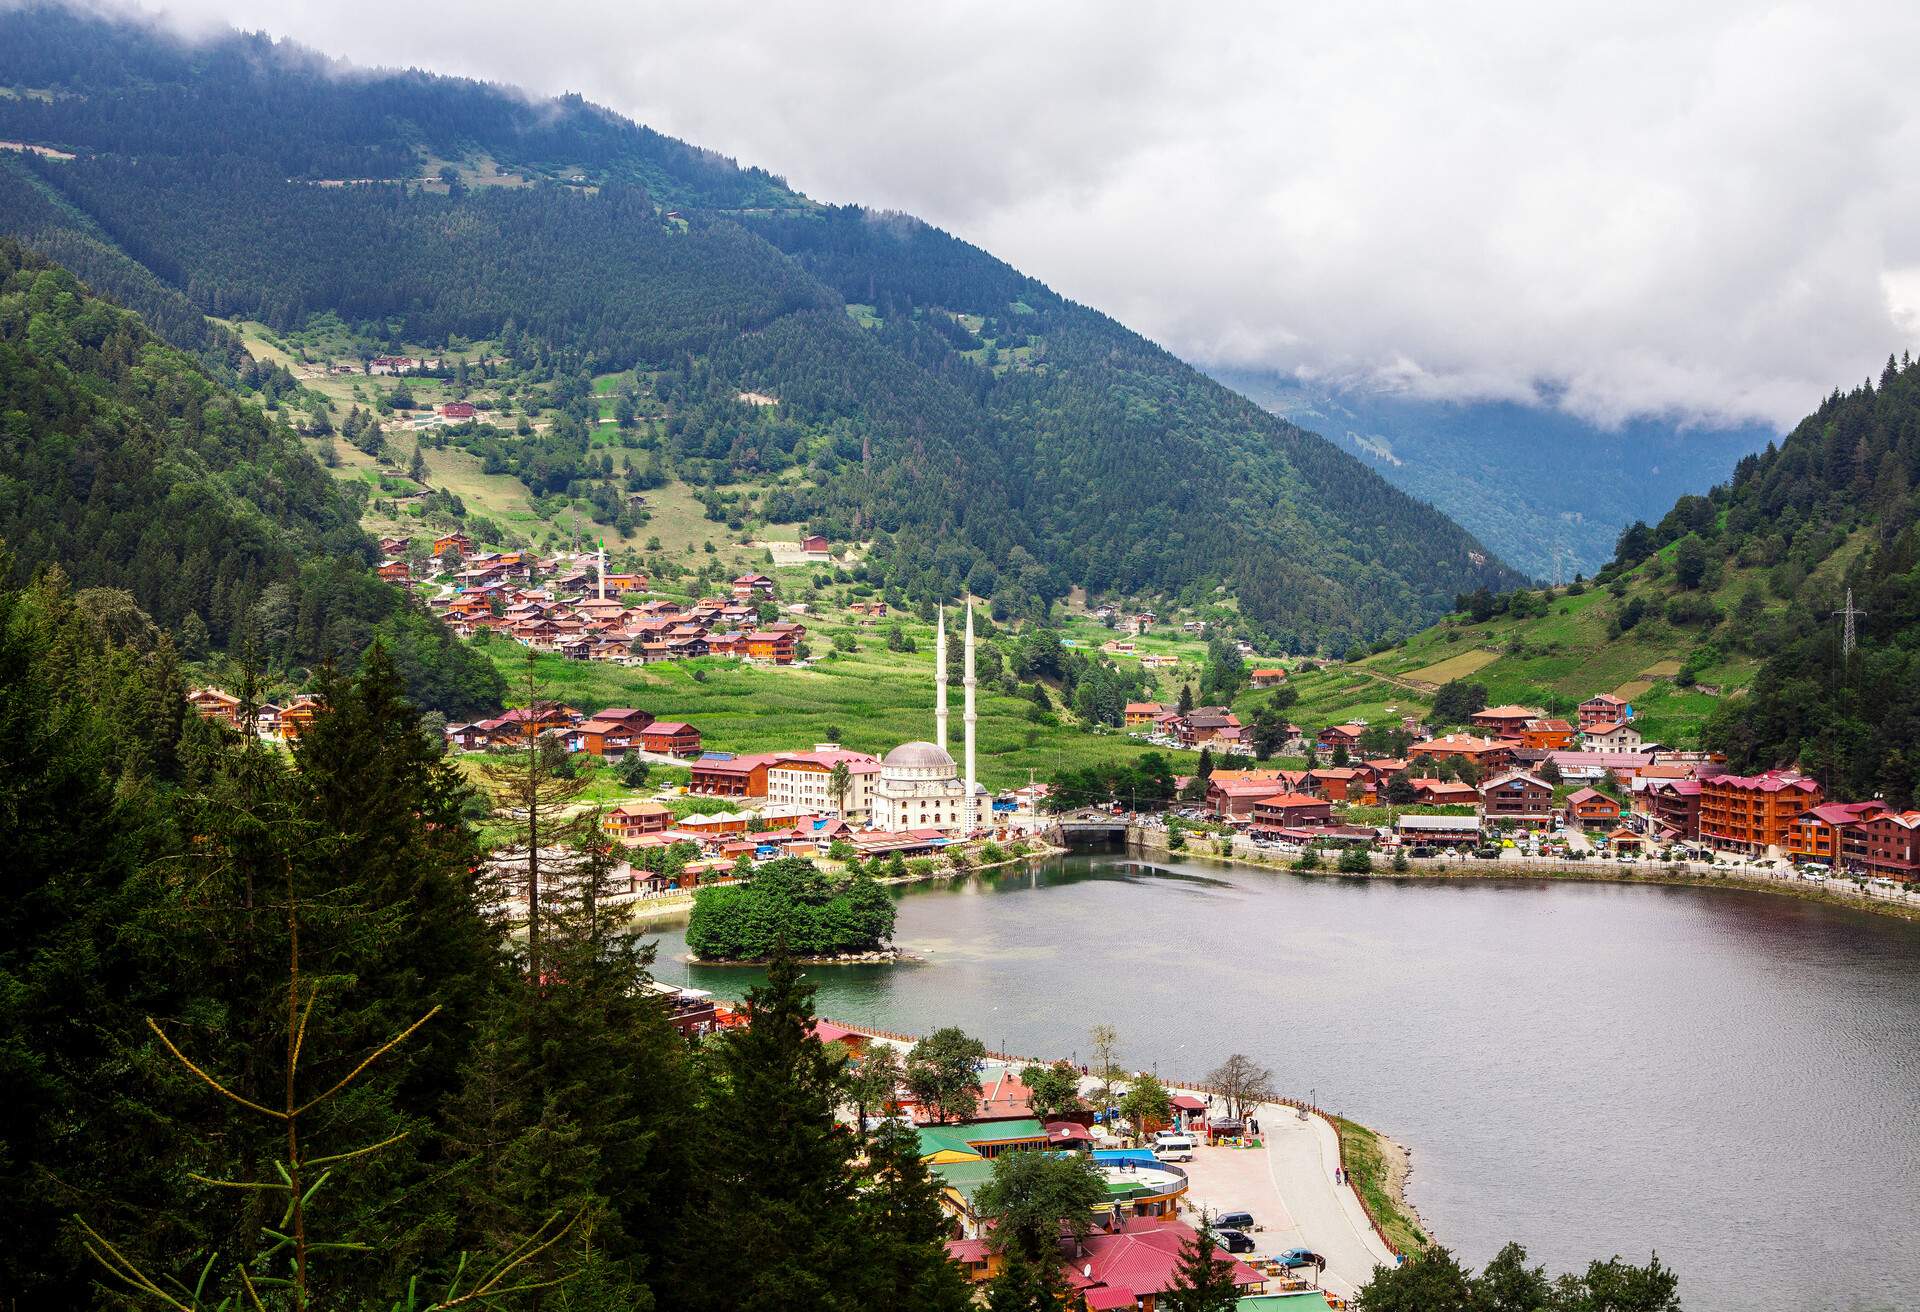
x: 870, y: 700
x: 1562, y: 657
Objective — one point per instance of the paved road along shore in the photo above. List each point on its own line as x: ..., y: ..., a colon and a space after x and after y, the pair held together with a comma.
x: 1288, y: 1186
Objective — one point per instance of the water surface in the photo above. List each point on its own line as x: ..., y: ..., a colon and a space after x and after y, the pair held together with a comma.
x: 1731, y: 1078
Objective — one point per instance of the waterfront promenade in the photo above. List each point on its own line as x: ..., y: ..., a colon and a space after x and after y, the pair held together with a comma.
x: 1288, y: 1186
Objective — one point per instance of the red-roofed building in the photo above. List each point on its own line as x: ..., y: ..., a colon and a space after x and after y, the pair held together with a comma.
x: 1890, y: 845
x: 670, y: 738
x: 769, y: 645
x: 634, y: 819
x: 753, y: 585
x: 1506, y: 721
x: 1444, y: 792
x: 1822, y: 833
x: 1751, y: 813
x: 1602, y: 709
x: 1590, y: 809
x: 1141, y: 714
x: 1518, y: 798
x: 723, y: 774
x: 1546, y: 735
x: 455, y: 409
x: 1486, y: 753
x: 1340, y: 735
x: 1674, y: 805
x: 1289, y: 810
x: 1140, y: 1259
x: 1269, y: 677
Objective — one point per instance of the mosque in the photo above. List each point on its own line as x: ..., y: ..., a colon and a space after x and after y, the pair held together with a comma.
x: 919, y: 787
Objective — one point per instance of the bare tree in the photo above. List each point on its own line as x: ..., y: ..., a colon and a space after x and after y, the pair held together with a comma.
x: 1243, y: 1082
x: 1106, y: 1053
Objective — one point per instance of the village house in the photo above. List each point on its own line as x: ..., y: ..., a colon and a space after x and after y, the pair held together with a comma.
x: 753, y: 585
x: 446, y: 542
x: 394, y: 571
x: 670, y: 738
x: 1206, y: 726
x: 1336, y: 736
x: 1505, y: 721
x: 1612, y: 736
x: 769, y: 645
x: 1444, y: 792
x: 1339, y: 783
x: 1140, y: 715
x: 724, y: 774
x: 816, y: 544
x: 632, y: 820
x: 456, y: 410
x: 214, y: 704
x: 1546, y: 735
x: 1752, y: 813
x: 1591, y: 809
x: 1674, y: 806
x: 1271, y: 676
x: 1289, y: 810
x: 1603, y: 708
x: 1518, y: 798
x: 1231, y: 794
x: 1484, y: 753
x: 298, y: 716
x: 608, y: 739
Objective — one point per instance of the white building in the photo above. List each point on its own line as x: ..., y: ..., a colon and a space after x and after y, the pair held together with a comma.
x: 919, y: 788
x: 805, y: 779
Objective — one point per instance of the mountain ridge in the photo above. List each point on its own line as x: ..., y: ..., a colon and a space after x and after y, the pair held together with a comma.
x: 987, y: 434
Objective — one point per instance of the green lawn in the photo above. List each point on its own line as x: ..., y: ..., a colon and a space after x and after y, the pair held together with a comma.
x: 872, y: 699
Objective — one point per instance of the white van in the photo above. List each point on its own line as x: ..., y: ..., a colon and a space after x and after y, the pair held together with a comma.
x: 1172, y: 1146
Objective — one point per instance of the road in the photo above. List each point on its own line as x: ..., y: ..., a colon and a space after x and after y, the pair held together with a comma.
x: 1288, y: 1186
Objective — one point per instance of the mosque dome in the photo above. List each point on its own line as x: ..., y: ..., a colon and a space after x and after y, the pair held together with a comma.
x: 918, y: 756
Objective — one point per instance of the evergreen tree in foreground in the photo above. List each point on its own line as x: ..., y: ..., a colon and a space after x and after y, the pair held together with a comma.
x: 1204, y: 1282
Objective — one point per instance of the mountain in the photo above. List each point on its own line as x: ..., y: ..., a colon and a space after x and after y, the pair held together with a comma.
x: 979, y: 431
x: 1719, y: 620
x: 1547, y: 490
x: 128, y: 467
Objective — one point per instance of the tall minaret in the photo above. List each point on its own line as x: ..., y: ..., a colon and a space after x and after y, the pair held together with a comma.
x: 603, y: 569
x: 968, y: 682
x: 940, y: 680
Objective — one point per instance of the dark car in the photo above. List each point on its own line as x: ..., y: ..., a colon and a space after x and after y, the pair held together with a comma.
x: 1233, y: 1221
x: 1234, y: 1241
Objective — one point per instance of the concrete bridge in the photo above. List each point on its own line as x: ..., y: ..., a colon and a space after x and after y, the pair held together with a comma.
x: 1091, y: 828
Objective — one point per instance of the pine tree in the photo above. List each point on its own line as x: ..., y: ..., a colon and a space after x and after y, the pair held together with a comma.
x: 907, y: 1268
x: 771, y: 1223
x: 1204, y: 1282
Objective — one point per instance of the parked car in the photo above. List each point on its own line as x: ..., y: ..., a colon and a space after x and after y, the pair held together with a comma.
x: 1298, y: 1257
x: 1234, y: 1221
x: 1235, y: 1241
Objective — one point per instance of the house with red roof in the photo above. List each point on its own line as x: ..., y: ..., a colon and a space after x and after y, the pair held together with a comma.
x: 670, y: 738
x: 1506, y: 721
x: 1592, y: 809
x: 1752, y: 813
x: 1603, y: 708
x: 1823, y: 833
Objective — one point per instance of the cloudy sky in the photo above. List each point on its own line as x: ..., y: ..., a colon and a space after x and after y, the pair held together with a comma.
x: 1708, y: 209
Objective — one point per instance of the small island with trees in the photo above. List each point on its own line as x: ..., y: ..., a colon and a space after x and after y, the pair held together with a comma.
x: 791, y: 902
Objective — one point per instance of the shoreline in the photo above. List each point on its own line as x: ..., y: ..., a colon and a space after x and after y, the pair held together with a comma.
x: 679, y: 906
x: 1557, y: 871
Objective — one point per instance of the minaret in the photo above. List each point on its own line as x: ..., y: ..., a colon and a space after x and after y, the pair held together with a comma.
x: 603, y: 570
x: 968, y: 682
x: 940, y: 680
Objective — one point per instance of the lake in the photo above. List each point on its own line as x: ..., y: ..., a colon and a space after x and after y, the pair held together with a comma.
x: 1730, y: 1078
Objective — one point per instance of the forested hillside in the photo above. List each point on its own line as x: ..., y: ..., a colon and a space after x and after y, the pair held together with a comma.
x: 129, y: 468
x: 979, y: 430
x: 1720, y: 621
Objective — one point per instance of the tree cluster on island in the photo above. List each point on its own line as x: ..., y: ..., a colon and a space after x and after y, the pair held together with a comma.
x: 790, y: 902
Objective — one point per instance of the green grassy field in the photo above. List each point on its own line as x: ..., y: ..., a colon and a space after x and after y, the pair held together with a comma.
x: 1566, y: 655
x: 870, y: 700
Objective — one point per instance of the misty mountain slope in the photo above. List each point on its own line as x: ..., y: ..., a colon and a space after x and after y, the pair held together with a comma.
x: 1547, y: 490
x: 982, y: 431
